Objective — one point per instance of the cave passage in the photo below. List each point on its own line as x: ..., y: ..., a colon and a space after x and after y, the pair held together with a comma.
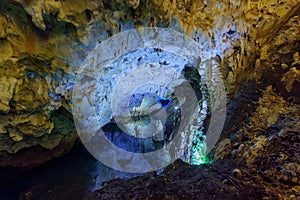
x: 153, y: 103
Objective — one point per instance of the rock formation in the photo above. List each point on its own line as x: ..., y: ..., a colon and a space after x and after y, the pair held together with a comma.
x: 255, y: 43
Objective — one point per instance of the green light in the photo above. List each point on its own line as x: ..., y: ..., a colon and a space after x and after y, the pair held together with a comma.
x: 199, y: 150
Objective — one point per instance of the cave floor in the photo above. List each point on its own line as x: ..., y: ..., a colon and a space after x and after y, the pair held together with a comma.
x: 264, y: 165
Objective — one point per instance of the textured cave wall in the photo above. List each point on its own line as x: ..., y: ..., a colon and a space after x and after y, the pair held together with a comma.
x: 258, y: 154
x: 265, y: 146
x: 42, y: 42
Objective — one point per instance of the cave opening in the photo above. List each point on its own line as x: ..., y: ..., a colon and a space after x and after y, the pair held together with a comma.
x: 143, y: 104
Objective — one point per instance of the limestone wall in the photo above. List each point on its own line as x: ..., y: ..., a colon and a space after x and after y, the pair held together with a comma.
x: 42, y: 42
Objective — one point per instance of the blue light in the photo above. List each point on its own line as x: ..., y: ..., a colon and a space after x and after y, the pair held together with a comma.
x: 164, y: 102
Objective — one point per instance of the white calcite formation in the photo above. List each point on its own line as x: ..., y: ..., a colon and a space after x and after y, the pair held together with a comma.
x: 43, y: 42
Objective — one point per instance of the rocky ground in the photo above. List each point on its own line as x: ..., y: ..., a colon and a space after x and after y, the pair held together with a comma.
x: 256, y: 45
x: 258, y: 156
x: 42, y: 43
x: 259, y: 161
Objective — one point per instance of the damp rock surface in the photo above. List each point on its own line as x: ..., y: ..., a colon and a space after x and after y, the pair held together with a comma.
x: 257, y: 156
x: 254, y: 43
